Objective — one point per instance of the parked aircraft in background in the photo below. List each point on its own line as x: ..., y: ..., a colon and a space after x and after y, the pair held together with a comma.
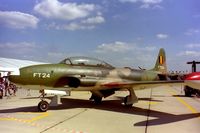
x: 192, y: 84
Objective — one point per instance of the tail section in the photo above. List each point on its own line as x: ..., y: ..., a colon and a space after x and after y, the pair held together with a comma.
x: 161, y: 66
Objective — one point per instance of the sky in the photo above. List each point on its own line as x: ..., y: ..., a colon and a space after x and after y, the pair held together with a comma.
x: 120, y: 32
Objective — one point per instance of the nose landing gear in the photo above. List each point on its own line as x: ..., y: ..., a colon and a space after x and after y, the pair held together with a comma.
x: 43, y: 105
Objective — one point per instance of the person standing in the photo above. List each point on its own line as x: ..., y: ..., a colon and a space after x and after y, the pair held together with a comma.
x: 7, y: 84
x: 2, y: 87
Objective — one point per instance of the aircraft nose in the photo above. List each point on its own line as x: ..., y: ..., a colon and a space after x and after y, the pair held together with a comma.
x: 14, y: 75
x: 14, y: 78
x: 193, y: 80
x: 193, y: 76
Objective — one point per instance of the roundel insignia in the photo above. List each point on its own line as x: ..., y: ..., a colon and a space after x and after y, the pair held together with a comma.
x: 161, y: 61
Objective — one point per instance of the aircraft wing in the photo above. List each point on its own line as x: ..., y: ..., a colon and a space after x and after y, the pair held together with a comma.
x: 141, y: 84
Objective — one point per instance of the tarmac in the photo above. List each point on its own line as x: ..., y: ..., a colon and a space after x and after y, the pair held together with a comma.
x: 162, y: 109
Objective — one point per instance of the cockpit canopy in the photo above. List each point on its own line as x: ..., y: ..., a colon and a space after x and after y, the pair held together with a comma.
x: 85, y: 61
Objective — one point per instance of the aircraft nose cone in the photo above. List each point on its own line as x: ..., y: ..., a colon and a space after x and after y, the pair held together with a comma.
x: 193, y: 80
x: 11, y: 78
x: 14, y: 76
x: 193, y: 76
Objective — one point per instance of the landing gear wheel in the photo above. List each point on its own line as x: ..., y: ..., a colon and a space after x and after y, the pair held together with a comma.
x: 97, y: 100
x: 188, y: 91
x: 43, y: 106
x: 126, y: 102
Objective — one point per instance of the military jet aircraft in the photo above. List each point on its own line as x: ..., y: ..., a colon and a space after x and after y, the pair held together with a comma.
x: 89, y: 74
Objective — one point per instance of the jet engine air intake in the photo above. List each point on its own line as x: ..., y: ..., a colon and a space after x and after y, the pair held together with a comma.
x: 70, y: 81
x: 74, y: 82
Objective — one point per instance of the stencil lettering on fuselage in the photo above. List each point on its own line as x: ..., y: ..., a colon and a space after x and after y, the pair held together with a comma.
x: 41, y: 75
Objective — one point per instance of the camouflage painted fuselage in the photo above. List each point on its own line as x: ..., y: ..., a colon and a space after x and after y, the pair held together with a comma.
x: 77, y: 77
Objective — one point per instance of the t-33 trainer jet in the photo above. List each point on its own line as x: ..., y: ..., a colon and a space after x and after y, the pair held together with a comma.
x: 89, y: 74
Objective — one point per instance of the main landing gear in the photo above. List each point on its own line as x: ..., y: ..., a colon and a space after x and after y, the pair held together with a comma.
x: 96, y: 99
x: 130, y: 99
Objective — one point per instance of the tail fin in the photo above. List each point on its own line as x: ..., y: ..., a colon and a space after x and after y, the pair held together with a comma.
x: 161, y: 66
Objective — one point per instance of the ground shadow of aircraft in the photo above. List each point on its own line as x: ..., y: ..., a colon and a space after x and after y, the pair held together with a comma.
x: 114, y: 106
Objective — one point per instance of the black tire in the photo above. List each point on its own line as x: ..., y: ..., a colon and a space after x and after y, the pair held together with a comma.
x: 97, y: 100
x: 125, y: 102
x: 43, y: 106
x: 1, y: 94
x: 198, y: 93
x: 188, y: 91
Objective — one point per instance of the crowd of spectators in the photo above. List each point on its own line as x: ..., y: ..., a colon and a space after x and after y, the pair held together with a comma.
x: 6, y: 88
